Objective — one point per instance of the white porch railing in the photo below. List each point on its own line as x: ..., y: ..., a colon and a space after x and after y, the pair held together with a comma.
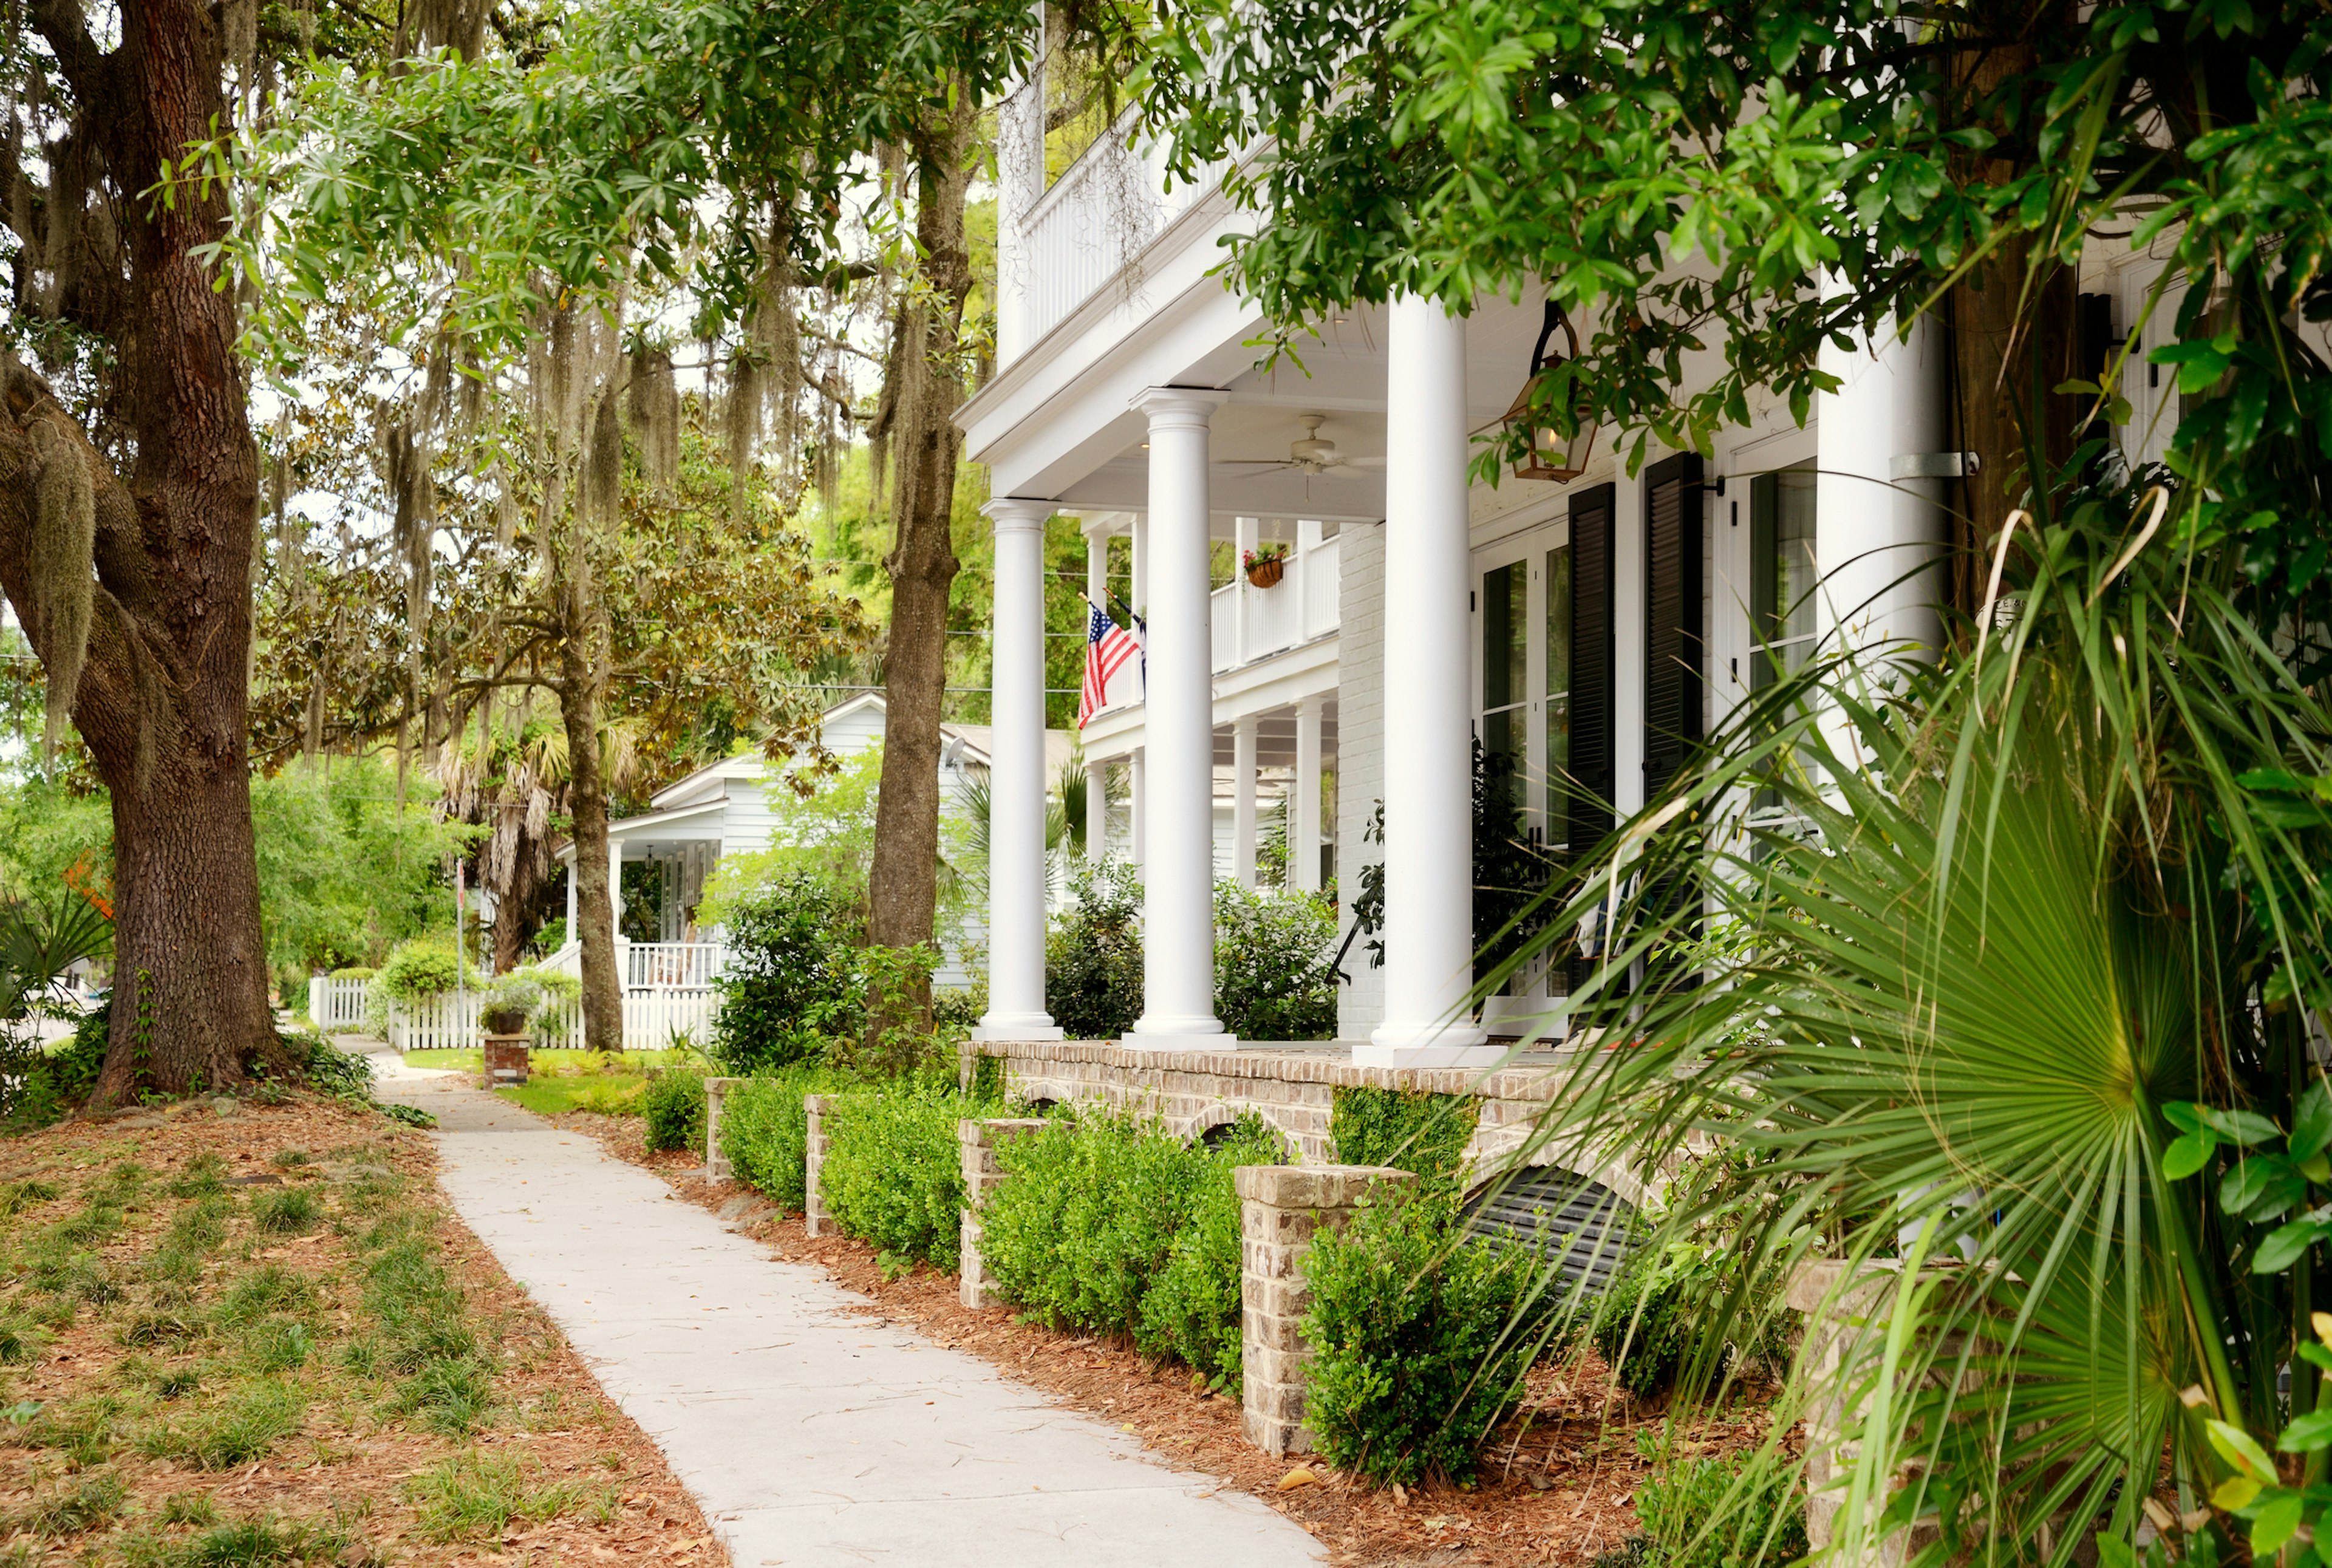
x: 691, y: 964
x: 1091, y: 223
x: 1251, y: 623
x: 687, y: 964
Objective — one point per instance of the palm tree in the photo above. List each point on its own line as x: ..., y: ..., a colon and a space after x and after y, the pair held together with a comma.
x: 2024, y: 921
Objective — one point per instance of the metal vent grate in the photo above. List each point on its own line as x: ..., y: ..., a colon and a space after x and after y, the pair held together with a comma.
x: 1577, y: 1223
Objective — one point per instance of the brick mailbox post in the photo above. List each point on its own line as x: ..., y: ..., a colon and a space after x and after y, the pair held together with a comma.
x: 505, y: 1062
x: 1281, y: 1208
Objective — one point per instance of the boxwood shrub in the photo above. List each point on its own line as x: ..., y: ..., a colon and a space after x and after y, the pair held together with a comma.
x: 1110, y: 1225
x: 894, y: 1170
x: 765, y: 1132
x: 1420, y: 1342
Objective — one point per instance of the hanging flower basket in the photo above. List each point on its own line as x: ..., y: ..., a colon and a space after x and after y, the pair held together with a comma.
x: 1266, y: 566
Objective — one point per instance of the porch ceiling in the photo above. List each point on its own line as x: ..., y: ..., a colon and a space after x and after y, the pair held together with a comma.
x: 1341, y: 377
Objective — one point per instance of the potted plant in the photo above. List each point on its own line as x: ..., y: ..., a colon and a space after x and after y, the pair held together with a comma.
x: 1267, y: 563
x: 505, y: 1008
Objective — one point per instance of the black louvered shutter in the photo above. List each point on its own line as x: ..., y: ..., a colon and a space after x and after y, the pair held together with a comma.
x: 1674, y: 655
x: 1587, y: 792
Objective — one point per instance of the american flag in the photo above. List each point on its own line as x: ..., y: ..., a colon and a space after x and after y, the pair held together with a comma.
x: 1108, y: 647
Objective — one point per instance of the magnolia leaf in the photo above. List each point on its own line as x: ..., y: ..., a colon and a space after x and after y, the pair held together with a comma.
x: 2244, y: 1127
x: 2276, y: 1521
x: 2113, y: 1552
x: 2288, y: 1243
x: 2311, y: 1122
x: 2187, y: 1155
x: 2307, y: 1433
x: 2235, y: 1492
x: 2241, y: 1449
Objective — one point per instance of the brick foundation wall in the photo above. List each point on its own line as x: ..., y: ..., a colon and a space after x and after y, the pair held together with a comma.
x: 1294, y: 1092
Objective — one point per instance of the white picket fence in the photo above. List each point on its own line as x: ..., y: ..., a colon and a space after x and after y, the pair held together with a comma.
x: 651, y: 1018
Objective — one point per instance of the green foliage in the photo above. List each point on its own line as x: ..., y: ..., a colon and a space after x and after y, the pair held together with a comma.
x: 792, y: 982
x: 1425, y: 1134
x: 1649, y: 1326
x: 675, y: 1108
x: 342, y: 874
x: 897, y: 1036
x: 93, y: 1500
x: 1420, y: 1341
x: 893, y: 1167
x: 1721, y: 1512
x: 1109, y: 1224
x: 821, y: 837
x: 418, y: 969
x: 1093, y: 954
x: 1274, y: 980
x: 765, y: 1131
x: 507, y: 1002
x: 38, y: 1087
x: 265, y: 1542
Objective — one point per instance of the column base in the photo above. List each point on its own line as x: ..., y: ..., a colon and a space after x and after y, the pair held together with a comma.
x: 1016, y: 1026
x: 1435, y: 1045
x: 1178, y: 1034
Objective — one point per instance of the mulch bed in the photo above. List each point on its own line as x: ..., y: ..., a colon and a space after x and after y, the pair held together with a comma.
x: 1558, y: 1487
x: 347, y: 1467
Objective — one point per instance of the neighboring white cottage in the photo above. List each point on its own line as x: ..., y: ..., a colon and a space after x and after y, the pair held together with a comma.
x: 724, y: 809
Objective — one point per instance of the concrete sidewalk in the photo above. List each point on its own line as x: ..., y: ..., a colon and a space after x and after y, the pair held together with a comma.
x: 809, y: 1434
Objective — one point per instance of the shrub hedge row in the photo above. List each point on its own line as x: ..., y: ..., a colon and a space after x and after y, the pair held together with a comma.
x: 1110, y: 1225
x: 893, y: 1170
x: 765, y: 1132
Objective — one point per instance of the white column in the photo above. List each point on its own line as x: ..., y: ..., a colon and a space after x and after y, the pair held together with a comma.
x: 1303, y: 807
x: 1137, y: 794
x: 572, y: 934
x: 1243, y: 822
x: 1016, y: 781
x: 1098, y: 808
x: 1178, y: 921
x: 1427, y: 683
x: 1097, y: 565
x: 1139, y: 532
x: 615, y: 915
x: 1879, y: 519
x: 1245, y: 533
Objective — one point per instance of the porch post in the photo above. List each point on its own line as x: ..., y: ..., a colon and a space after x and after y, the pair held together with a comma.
x: 1243, y: 816
x: 1137, y: 793
x: 572, y: 934
x: 1178, y: 926
x: 1428, y: 688
x: 615, y: 914
x: 1878, y: 517
x: 1097, y: 768
x: 1016, y: 811
x: 1303, y: 808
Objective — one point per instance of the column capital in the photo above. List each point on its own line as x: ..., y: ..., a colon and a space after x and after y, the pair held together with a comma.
x: 1186, y: 407
x: 1008, y: 513
x: 1099, y: 528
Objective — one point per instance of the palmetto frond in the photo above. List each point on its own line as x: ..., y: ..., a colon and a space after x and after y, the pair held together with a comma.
x: 1990, y: 919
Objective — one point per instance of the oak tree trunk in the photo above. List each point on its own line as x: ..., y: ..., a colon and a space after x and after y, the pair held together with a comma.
x: 595, y: 903
x: 903, y: 884
x: 161, y: 701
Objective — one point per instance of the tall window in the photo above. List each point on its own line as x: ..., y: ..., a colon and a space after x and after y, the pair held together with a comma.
x: 1782, y: 572
x: 1558, y: 689
x: 1505, y: 664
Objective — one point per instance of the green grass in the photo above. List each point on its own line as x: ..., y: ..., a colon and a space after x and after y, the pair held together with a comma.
x: 471, y: 1496
x: 612, y: 1094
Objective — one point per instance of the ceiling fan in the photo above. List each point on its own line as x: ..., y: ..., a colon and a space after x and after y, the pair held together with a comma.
x: 1311, y: 453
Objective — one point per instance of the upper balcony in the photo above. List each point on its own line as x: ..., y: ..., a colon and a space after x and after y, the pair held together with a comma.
x: 1251, y: 624
x: 1081, y: 234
